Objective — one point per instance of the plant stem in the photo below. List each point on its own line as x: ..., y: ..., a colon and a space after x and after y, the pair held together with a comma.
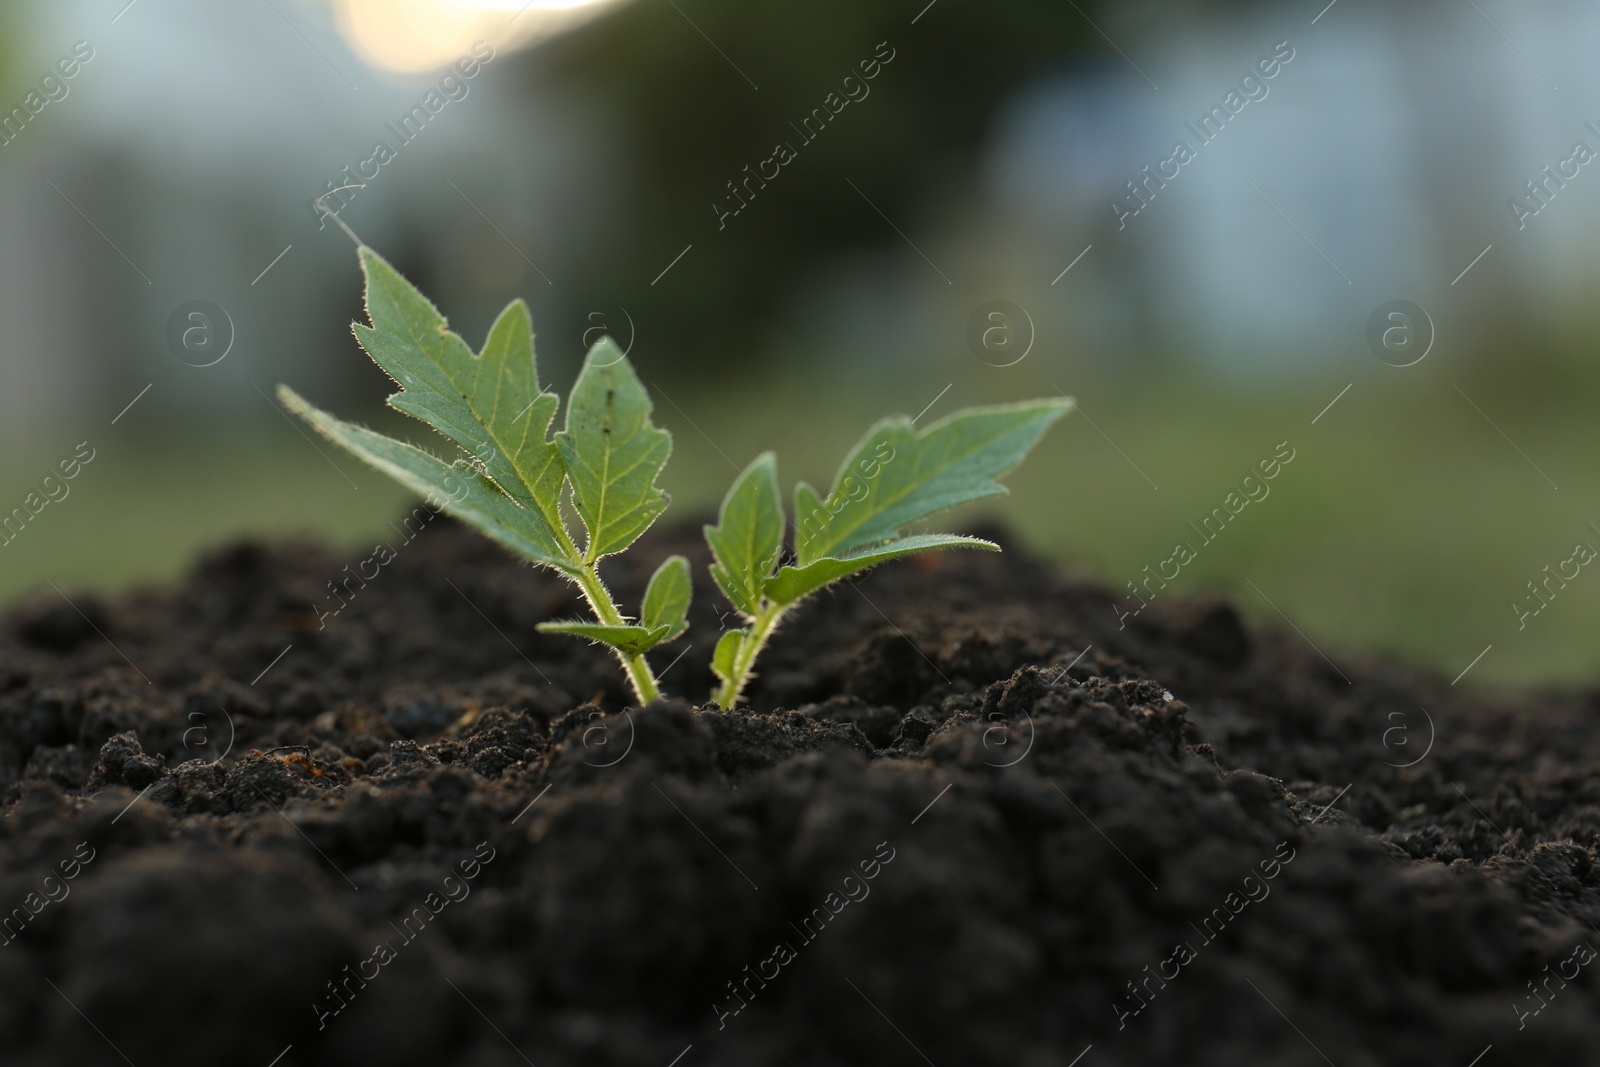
x: 760, y: 630
x: 599, y: 598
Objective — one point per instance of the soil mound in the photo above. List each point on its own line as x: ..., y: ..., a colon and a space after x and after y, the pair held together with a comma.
x: 972, y: 819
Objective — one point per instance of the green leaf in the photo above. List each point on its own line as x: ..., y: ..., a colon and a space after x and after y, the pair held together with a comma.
x: 897, y: 475
x: 458, y: 490
x: 631, y: 640
x: 612, y: 453
x: 666, y: 599
x: 792, y: 583
x: 490, y: 404
x: 749, y: 535
x: 728, y: 648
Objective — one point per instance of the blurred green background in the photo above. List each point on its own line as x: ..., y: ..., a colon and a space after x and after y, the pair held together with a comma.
x: 1209, y: 329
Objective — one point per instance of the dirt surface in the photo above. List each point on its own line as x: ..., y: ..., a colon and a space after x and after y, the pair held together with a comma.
x: 436, y: 837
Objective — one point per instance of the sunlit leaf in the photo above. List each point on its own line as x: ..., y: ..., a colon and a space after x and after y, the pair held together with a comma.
x: 666, y: 599
x: 460, y: 491
x: 749, y: 535
x: 727, y: 652
x: 792, y: 583
x: 491, y: 404
x: 612, y: 452
x: 897, y: 475
x: 633, y: 640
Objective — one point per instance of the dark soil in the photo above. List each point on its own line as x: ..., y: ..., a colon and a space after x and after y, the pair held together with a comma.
x: 438, y: 838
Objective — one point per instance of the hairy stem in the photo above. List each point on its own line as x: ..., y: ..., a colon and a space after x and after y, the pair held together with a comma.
x: 599, y: 598
x: 760, y: 630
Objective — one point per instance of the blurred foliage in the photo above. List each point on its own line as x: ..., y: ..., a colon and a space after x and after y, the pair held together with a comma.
x: 13, y: 39
x: 689, y: 122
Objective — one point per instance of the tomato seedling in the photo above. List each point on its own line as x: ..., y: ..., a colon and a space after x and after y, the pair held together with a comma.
x: 516, y: 475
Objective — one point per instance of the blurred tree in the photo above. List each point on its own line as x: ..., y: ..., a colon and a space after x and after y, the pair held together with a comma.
x: 682, y: 103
